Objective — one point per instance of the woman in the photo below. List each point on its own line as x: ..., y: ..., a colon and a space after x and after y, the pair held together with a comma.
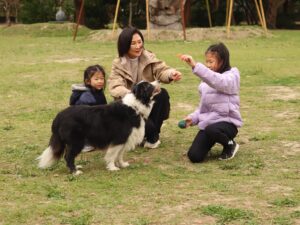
x: 135, y: 64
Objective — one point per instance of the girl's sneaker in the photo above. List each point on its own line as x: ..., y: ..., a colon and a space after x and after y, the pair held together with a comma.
x: 229, y: 151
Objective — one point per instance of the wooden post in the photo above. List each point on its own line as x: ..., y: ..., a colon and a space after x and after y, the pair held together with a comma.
x: 208, y: 13
x: 263, y: 15
x: 78, y: 20
x: 182, y: 18
x: 148, y: 20
x: 259, y: 13
x: 115, y: 19
x: 227, y: 12
x: 229, y: 18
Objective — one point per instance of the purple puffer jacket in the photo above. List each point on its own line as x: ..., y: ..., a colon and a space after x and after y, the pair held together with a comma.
x: 219, y: 94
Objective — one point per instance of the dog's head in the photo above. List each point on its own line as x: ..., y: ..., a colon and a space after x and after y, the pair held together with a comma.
x: 145, y: 91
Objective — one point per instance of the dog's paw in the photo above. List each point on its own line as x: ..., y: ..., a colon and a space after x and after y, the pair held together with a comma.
x: 123, y: 164
x: 77, y: 172
x: 79, y: 167
x: 112, y: 167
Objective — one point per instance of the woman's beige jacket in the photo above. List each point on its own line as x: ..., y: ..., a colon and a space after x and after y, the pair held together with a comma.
x: 149, y: 69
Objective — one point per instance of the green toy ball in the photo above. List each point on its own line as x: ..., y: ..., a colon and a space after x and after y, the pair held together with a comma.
x: 182, y: 124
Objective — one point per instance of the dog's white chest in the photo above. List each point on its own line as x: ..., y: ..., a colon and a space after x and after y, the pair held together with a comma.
x: 137, y: 135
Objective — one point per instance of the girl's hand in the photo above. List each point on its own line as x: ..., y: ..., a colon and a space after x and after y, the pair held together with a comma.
x: 188, y: 59
x: 188, y: 122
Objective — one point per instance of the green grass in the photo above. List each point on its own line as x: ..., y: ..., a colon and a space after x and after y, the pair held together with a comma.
x: 259, y: 186
x: 226, y: 215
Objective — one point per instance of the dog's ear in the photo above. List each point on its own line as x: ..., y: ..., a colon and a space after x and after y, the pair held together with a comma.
x: 139, y: 91
x: 134, y: 89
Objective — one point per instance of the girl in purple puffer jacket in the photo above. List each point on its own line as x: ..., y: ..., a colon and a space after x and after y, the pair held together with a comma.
x: 218, y: 115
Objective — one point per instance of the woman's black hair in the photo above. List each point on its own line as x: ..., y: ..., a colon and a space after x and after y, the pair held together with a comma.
x: 124, y: 40
x: 222, y: 53
x: 90, y: 71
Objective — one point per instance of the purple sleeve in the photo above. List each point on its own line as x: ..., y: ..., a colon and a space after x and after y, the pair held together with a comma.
x: 227, y: 82
x: 195, y: 116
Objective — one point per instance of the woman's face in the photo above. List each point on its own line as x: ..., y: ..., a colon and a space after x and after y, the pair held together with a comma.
x: 136, y: 46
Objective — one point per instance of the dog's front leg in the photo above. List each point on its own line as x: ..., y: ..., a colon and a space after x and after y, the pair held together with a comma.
x: 111, y: 157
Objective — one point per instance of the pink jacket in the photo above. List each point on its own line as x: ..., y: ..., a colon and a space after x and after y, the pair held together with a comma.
x: 219, y: 94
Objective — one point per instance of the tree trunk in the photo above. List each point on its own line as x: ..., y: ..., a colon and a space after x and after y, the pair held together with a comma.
x: 77, y: 4
x: 130, y: 14
x: 7, y: 16
x: 17, y: 12
x: 271, y: 13
x: 7, y: 8
x: 187, y: 12
x: 215, y: 5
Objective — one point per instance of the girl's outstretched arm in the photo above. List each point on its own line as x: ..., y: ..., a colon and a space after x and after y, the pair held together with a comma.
x: 188, y: 59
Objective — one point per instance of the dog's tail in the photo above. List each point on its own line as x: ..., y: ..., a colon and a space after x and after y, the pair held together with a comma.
x: 51, y: 154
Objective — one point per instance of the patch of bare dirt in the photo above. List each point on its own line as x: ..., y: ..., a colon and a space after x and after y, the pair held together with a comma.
x: 284, y: 190
x: 72, y: 60
x: 283, y: 93
x: 287, y: 115
x: 291, y: 147
x: 192, y: 34
x: 172, y: 211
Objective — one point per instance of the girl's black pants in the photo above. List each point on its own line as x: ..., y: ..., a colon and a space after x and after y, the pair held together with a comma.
x: 221, y: 132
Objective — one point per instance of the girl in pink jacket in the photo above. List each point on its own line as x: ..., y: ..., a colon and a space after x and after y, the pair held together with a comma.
x: 218, y: 116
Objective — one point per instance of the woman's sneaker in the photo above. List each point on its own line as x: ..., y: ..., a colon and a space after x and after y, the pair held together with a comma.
x: 87, y: 148
x: 152, y: 145
x: 229, y: 151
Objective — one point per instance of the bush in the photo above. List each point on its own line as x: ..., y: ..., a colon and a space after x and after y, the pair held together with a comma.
x: 39, y: 11
x: 138, y: 14
x: 96, y: 15
x: 36, y: 11
x: 199, y: 15
x: 285, y: 21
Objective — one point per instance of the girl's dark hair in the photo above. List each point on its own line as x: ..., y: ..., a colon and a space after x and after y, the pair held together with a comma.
x: 124, y: 40
x: 90, y: 71
x: 222, y: 53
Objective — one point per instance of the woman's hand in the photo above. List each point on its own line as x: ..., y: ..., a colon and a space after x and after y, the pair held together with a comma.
x: 176, y: 75
x: 188, y: 59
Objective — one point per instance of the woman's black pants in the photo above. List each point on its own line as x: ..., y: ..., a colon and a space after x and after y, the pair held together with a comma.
x: 159, y: 113
x: 221, y: 132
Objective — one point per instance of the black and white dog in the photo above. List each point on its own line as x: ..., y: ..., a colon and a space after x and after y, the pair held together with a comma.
x: 116, y: 127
